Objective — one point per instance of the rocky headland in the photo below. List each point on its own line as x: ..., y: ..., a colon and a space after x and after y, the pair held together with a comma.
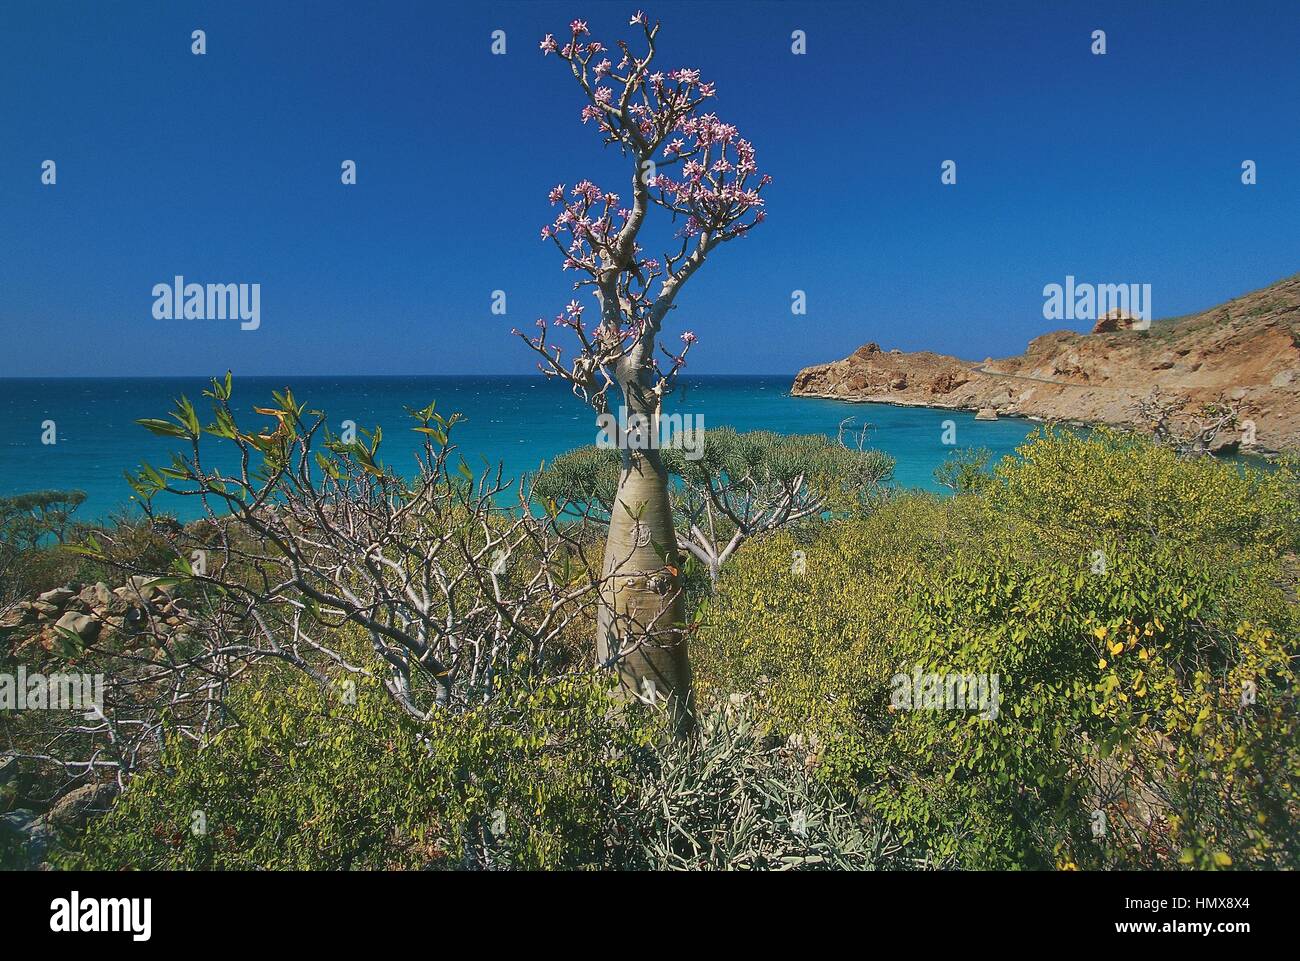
x: 1245, y: 353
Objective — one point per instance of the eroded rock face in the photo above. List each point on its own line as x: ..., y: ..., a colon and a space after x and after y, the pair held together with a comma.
x: 1248, y: 348
x: 1117, y: 319
x: 872, y: 374
x: 947, y: 382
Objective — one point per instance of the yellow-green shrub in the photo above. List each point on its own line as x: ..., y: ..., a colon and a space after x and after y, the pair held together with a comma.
x: 1081, y: 545
x: 305, y: 780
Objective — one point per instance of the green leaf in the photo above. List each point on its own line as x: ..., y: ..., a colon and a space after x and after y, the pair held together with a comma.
x: 163, y: 427
x: 186, y: 416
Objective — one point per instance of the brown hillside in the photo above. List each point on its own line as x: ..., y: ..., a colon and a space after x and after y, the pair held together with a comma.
x: 1247, y: 349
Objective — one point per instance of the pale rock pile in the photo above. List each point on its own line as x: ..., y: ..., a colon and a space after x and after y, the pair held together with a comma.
x: 138, y: 615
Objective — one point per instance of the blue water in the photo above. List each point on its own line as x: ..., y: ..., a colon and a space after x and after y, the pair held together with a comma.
x: 518, y: 421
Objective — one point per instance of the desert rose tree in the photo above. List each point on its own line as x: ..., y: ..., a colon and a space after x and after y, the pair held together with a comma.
x: 700, y: 174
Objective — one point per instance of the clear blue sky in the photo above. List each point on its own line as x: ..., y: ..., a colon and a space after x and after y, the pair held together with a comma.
x: 225, y: 168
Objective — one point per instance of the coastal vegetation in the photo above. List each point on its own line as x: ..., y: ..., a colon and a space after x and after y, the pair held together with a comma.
x: 342, y: 666
x: 750, y: 651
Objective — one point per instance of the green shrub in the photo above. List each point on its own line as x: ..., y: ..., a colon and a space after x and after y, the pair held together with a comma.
x: 305, y: 780
x: 1125, y: 599
x: 964, y: 472
x: 1078, y: 488
x: 551, y: 780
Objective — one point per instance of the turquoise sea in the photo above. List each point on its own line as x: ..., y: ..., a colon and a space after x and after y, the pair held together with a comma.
x: 518, y: 421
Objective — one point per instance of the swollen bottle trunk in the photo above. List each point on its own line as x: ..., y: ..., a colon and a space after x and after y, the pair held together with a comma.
x: 643, y: 607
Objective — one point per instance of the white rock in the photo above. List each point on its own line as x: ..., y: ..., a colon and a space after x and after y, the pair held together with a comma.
x: 59, y: 596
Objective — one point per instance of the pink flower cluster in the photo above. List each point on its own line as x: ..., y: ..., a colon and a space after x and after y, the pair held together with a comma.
x: 719, y: 189
x: 659, y: 100
x: 586, y: 226
x: 719, y: 184
x: 705, y: 171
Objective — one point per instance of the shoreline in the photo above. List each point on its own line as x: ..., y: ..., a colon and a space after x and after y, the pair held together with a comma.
x: 889, y: 402
x: 1264, y: 454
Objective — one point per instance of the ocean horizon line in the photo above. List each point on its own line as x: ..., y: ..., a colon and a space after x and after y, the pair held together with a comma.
x: 510, y: 376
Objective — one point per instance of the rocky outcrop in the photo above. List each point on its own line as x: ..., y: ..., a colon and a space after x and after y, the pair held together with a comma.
x: 1246, y: 350
x: 31, y: 837
x: 140, y: 615
x: 78, y: 807
x: 1114, y: 320
x: 140, y: 622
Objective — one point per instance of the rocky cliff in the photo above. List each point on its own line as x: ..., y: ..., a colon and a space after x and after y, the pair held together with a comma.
x: 1246, y: 350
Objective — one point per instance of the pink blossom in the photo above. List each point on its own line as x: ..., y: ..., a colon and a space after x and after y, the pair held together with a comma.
x: 716, y: 194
